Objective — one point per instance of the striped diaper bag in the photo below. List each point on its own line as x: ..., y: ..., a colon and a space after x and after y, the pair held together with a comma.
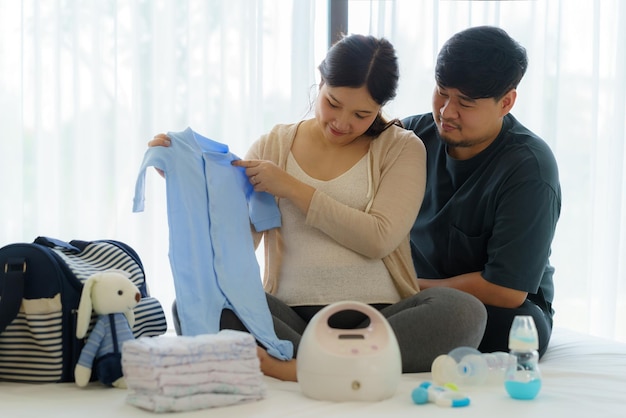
x: 40, y: 288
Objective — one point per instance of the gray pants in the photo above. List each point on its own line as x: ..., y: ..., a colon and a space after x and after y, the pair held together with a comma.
x: 430, y: 323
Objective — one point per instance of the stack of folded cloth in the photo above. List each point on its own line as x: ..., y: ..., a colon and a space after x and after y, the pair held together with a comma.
x: 170, y: 374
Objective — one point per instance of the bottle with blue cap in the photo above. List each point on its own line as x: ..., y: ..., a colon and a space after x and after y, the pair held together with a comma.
x: 522, y: 379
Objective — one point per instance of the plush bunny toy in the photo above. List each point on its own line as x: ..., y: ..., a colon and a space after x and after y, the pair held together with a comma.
x: 113, y: 297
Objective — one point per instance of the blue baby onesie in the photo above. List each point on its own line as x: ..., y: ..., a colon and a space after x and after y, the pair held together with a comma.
x: 210, y: 205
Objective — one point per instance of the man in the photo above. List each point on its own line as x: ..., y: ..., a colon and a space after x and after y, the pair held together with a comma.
x: 492, y: 196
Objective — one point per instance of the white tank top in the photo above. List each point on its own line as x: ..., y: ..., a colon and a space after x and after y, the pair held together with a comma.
x: 316, y: 270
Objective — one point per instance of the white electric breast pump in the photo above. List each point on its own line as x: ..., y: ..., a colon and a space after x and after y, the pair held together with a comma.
x: 361, y: 364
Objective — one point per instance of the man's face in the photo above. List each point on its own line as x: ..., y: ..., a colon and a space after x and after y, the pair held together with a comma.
x: 468, y: 125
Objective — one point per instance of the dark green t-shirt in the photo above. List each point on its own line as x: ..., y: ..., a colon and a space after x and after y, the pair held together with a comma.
x: 495, y: 213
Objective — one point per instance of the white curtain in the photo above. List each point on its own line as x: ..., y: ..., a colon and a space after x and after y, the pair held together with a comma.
x: 84, y: 84
x: 574, y: 96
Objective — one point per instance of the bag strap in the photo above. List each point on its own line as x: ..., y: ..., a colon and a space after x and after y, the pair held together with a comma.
x: 12, y: 291
x: 113, y: 332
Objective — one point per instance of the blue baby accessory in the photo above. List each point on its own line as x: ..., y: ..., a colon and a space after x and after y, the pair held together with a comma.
x: 210, y: 205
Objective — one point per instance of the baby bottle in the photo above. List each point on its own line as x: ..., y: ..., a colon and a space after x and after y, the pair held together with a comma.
x: 522, y: 379
x: 466, y: 366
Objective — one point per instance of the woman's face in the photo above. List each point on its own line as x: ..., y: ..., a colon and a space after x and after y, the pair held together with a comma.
x: 345, y: 113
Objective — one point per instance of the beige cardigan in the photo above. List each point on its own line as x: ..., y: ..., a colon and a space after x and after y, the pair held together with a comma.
x: 397, y: 167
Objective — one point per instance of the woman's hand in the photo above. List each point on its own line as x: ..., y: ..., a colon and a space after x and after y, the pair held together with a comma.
x: 160, y: 140
x: 266, y: 176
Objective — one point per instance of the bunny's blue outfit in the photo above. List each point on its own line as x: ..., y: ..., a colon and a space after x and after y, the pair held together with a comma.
x: 100, y: 343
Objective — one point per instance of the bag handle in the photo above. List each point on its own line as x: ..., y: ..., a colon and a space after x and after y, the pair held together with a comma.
x: 12, y: 291
x: 53, y: 242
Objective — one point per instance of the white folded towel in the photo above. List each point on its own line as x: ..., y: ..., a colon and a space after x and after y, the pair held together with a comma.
x: 131, y: 368
x: 159, y: 403
x: 168, y: 374
x: 168, y: 351
x: 178, y: 391
x: 194, y: 380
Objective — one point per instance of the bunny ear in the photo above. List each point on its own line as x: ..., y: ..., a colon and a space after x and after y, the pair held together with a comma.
x: 84, y: 308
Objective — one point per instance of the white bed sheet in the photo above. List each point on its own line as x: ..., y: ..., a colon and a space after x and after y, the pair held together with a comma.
x: 583, y: 376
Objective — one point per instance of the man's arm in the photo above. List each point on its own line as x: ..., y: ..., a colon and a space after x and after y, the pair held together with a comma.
x: 474, y: 283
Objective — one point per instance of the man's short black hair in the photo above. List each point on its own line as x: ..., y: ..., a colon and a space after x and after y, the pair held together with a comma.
x: 481, y: 62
